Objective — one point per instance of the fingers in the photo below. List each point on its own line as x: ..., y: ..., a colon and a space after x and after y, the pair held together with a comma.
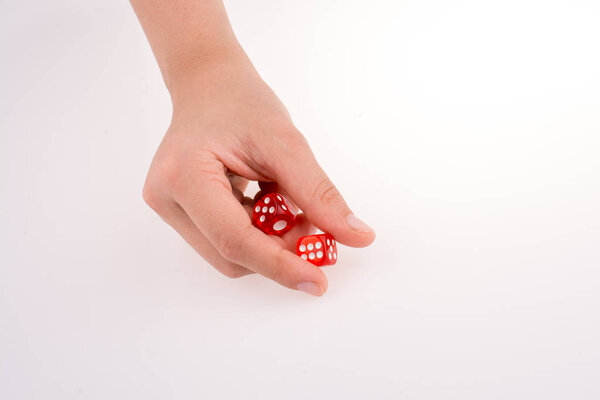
x: 208, y: 200
x: 311, y: 189
x: 174, y: 215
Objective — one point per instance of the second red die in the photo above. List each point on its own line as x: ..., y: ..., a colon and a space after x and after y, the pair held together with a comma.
x: 273, y: 214
x: 317, y: 249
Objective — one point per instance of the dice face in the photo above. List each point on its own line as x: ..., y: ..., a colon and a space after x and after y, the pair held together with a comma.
x: 318, y: 249
x: 273, y: 214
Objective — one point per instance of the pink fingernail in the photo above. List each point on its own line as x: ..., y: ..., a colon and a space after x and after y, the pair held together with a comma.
x: 357, y: 224
x: 310, y: 288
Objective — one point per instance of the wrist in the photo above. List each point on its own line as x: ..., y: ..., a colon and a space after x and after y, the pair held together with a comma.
x: 202, y: 80
x: 178, y: 71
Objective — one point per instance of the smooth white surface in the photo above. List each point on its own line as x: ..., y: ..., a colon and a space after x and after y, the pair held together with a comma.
x: 467, y: 133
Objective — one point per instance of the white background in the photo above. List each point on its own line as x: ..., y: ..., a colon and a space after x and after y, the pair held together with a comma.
x: 466, y: 132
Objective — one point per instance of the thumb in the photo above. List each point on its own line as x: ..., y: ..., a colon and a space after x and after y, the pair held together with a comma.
x: 303, y: 179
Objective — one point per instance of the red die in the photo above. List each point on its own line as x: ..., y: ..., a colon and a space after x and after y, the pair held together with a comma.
x: 273, y: 214
x: 317, y: 249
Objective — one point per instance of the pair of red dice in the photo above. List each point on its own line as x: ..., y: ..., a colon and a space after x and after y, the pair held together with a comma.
x: 274, y: 215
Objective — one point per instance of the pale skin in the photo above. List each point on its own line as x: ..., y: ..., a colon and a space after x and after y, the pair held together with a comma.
x: 229, y: 127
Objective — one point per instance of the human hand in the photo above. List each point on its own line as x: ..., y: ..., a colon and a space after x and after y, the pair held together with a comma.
x: 228, y: 127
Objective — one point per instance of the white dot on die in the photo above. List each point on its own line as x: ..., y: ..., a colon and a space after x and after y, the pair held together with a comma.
x: 311, y: 256
x: 318, y: 245
x: 272, y: 210
x: 302, y: 248
x: 282, y: 206
x: 310, y: 246
x: 329, y: 255
x: 319, y: 254
x: 328, y: 242
x: 264, y: 209
x: 279, y: 225
x: 257, y: 209
x: 267, y: 200
x: 279, y: 197
x: 335, y: 256
x: 333, y: 242
x: 303, y: 256
x: 262, y: 218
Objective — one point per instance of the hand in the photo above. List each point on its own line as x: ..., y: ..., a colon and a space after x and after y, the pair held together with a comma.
x: 228, y: 127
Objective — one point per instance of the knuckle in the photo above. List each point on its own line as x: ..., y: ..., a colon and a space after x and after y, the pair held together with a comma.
x: 230, y: 247
x: 326, y: 192
x: 151, y: 197
x: 278, y: 272
x: 163, y: 175
x: 160, y: 181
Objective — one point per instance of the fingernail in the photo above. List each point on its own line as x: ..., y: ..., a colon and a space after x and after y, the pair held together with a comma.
x: 310, y: 288
x: 357, y: 224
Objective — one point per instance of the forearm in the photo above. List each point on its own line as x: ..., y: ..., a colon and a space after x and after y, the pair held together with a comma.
x: 187, y: 34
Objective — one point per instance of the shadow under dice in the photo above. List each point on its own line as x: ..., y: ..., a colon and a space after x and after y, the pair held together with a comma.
x: 318, y: 249
x: 273, y: 214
